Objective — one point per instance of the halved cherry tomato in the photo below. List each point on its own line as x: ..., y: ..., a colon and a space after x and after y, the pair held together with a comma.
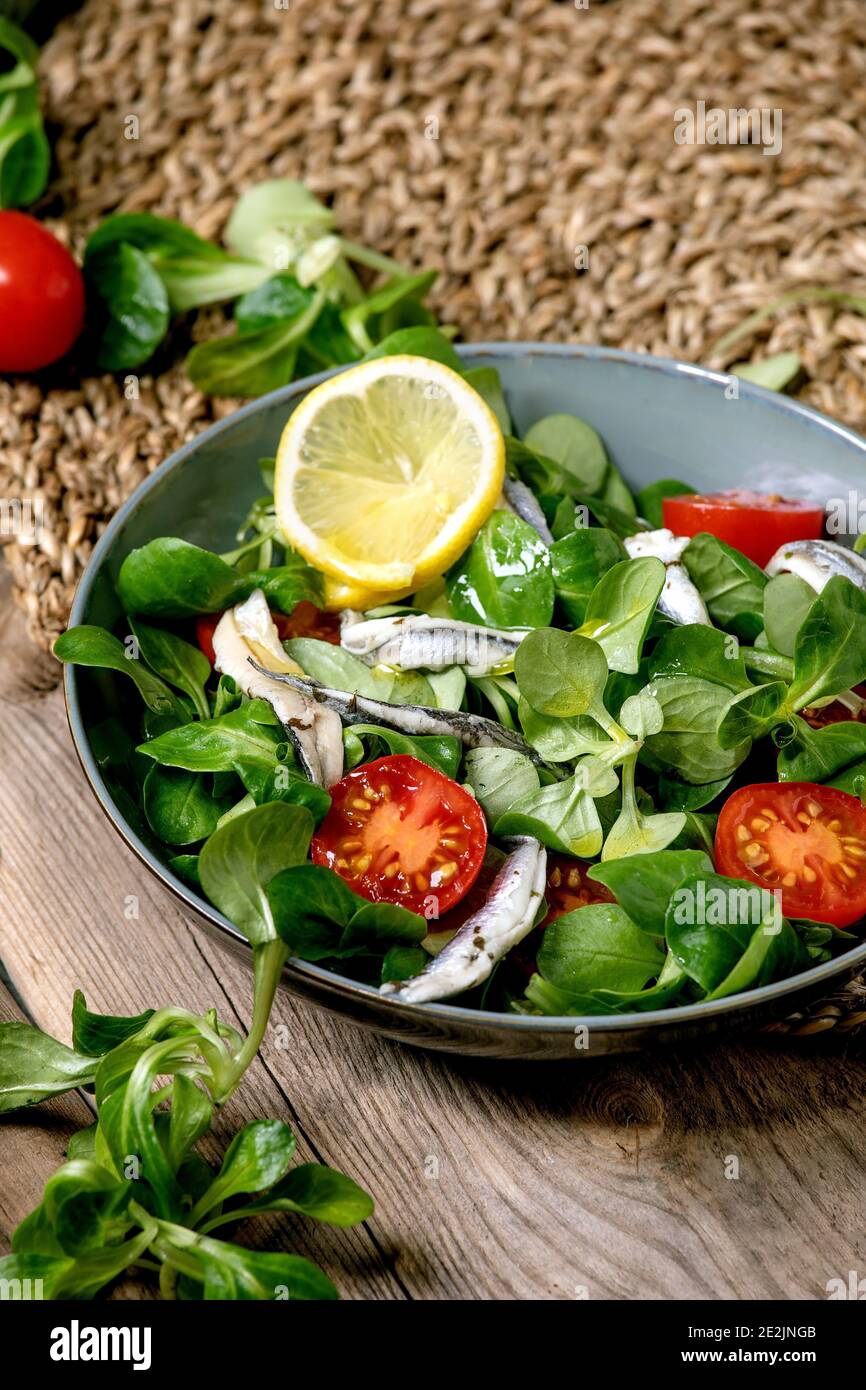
x: 399, y: 831
x: 835, y: 713
x: 41, y: 295
x: 305, y: 620
x: 753, y: 522
x: 805, y: 839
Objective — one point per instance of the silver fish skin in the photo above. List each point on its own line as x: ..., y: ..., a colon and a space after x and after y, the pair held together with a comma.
x: 410, y: 642
x: 817, y: 562
x: 679, y: 600
x: 524, y: 502
x: 472, y: 729
x: 506, y: 917
x: 315, y: 733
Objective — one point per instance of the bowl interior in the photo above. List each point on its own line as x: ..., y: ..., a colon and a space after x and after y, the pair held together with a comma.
x: 658, y: 419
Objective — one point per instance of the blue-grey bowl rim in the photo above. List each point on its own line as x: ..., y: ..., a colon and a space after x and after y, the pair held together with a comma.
x: 446, y: 1013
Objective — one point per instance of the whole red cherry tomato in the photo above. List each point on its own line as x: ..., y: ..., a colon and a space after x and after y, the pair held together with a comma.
x: 41, y: 295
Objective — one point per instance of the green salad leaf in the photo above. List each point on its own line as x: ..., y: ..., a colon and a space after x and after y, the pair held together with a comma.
x: 787, y: 600
x: 319, y: 917
x: 731, y: 586
x: 620, y: 609
x: 87, y: 645
x: 597, y: 947
x: 504, y: 579
x: 578, y: 562
x: 574, y: 446
x: 561, y: 815
x: 644, y: 883
x: 171, y: 578
x: 650, y: 498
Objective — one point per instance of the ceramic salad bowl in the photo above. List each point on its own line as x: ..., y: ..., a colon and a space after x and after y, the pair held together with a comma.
x: 658, y: 419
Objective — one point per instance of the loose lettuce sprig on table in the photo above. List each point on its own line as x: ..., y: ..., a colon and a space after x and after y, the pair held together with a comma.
x: 136, y: 1191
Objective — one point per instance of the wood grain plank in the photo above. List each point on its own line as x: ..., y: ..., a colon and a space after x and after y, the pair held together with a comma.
x: 602, y: 1178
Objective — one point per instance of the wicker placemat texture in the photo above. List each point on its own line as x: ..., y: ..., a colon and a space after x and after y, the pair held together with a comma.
x: 555, y: 130
x: 489, y: 140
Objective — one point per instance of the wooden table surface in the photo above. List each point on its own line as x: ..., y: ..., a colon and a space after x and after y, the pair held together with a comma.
x: 599, y: 1179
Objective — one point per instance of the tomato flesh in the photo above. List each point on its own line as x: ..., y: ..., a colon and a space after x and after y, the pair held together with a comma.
x: 41, y: 295
x: 472, y: 901
x: 820, y: 716
x: 754, y: 523
x: 804, y: 839
x: 305, y: 620
x: 568, y: 887
x: 399, y: 831
x: 205, y: 627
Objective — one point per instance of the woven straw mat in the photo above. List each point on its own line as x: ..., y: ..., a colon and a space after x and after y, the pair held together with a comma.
x: 555, y: 131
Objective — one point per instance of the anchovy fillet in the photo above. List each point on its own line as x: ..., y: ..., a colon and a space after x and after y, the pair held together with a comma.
x: 817, y: 562
x: 413, y: 641
x: 506, y: 917
x: 679, y: 599
x: 472, y: 729
x: 315, y: 732
x: 524, y: 502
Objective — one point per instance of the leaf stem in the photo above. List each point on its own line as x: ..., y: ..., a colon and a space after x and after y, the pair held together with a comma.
x: 268, y: 962
x: 768, y: 663
x: 374, y: 260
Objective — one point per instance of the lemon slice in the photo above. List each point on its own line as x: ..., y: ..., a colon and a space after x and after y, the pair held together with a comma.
x: 339, y: 595
x: 385, y: 472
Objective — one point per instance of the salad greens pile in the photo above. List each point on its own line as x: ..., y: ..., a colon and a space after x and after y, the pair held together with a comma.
x: 634, y: 729
x: 299, y: 306
x: 136, y: 1190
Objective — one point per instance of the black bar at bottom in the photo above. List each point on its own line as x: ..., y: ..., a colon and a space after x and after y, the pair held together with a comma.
x: 251, y: 1337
